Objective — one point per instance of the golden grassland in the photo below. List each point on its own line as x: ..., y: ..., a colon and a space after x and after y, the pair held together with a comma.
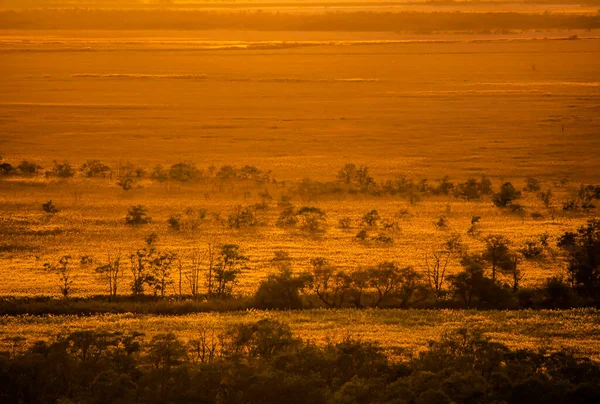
x: 421, y: 109
x: 301, y: 105
x: 399, y: 332
x: 91, y: 223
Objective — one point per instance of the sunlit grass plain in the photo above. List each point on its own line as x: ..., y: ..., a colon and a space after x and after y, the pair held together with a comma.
x: 507, y: 107
x: 508, y: 110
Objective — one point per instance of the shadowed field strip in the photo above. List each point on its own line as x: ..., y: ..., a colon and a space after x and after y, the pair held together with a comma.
x: 399, y: 331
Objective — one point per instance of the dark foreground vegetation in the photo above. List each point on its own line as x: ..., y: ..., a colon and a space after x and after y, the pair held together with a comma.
x: 264, y: 362
x: 83, y: 18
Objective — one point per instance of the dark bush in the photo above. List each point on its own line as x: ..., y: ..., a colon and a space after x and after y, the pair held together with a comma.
x: 184, y: 172
x: 280, y: 291
x: 137, y: 215
x: 28, y: 167
x: 6, y: 169
x: 506, y: 196
x: 49, y: 207
x: 95, y: 168
x: 63, y: 170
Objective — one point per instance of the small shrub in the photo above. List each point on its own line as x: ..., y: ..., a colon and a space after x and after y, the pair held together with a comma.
x: 63, y: 170
x: 242, y: 217
x: 312, y: 220
x: 533, y: 185
x: 28, y: 168
x: 371, y: 218
x: 287, y: 217
x: 362, y: 235
x: 175, y: 222
x: 384, y: 238
x: 183, y: 172
x: 160, y: 174
x: 532, y: 250
x: 127, y: 182
x: 50, y: 208
x: 486, y: 186
x: 557, y: 293
x: 137, y: 215
x: 6, y: 169
x: 345, y: 223
x: 516, y: 208
x: 546, y: 197
x: 95, y: 168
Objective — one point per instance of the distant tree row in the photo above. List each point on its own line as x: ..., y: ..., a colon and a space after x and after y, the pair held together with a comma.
x: 127, y: 174
x: 260, y: 20
x: 351, y: 179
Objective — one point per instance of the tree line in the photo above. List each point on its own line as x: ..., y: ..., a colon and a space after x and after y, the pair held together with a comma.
x: 490, y: 279
x: 265, y: 362
x: 408, y: 21
x: 350, y: 179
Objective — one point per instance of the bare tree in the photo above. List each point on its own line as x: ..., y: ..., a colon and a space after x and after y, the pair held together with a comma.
x: 211, y: 266
x: 111, y: 271
x: 512, y: 269
x: 330, y: 286
x: 386, y: 279
x: 64, y: 272
x: 436, y: 263
x: 205, y: 348
x: 193, y: 274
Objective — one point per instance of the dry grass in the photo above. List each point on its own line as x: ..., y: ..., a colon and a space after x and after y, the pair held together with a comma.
x: 400, y: 332
x: 461, y: 108
x: 91, y: 222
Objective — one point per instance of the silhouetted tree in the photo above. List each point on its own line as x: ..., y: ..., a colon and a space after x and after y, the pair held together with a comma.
x: 63, y: 269
x: 497, y: 253
x: 280, y: 291
x: 506, y: 196
x: 185, y: 171
x: 312, y: 220
x: 347, y: 173
x: 583, y: 259
x: 228, y: 265
x: 111, y: 272
x: 436, y: 263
